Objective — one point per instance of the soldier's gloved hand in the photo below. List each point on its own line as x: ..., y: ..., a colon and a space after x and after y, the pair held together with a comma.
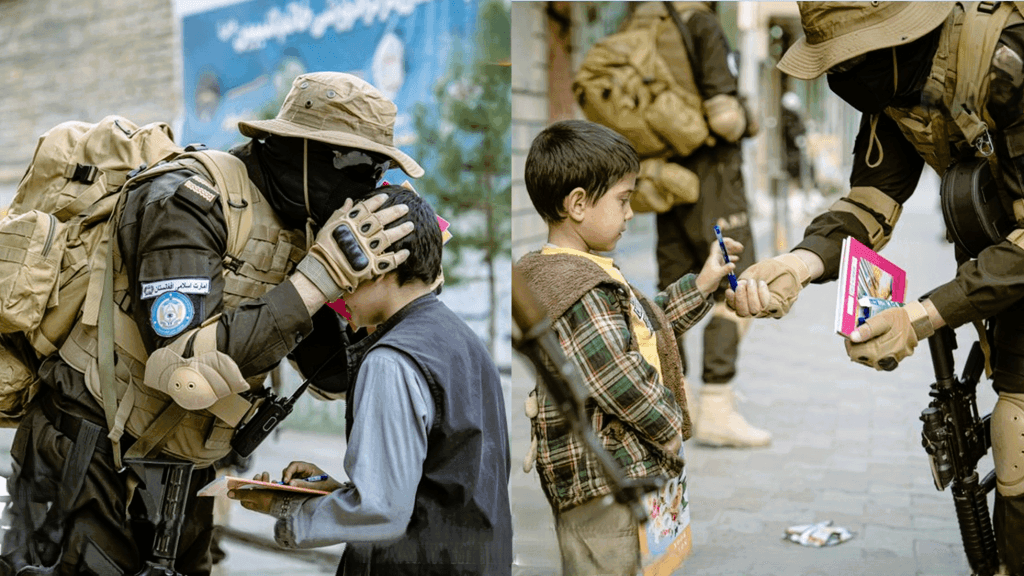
x: 889, y: 336
x: 350, y: 248
x: 785, y: 275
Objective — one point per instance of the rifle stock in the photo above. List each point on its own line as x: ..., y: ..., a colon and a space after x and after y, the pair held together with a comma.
x: 164, y: 490
x: 956, y: 437
x: 563, y: 383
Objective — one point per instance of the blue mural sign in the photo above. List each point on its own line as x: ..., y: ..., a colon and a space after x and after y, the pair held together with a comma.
x: 240, y: 60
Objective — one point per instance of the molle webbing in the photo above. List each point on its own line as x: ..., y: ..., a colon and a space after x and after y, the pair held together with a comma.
x: 957, y: 87
x: 982, y: 24
x: 263, y: 253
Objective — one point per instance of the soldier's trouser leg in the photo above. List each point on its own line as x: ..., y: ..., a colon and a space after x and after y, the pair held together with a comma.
x: 677, y: 255
x: 95, y: 518
x: 722, y: 337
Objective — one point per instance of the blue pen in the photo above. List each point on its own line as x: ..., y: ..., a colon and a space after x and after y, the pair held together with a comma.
x: 319, y: 478
x: 721, y: 244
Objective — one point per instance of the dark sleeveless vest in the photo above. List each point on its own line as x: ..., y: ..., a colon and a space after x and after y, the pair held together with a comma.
x: 461, y: 521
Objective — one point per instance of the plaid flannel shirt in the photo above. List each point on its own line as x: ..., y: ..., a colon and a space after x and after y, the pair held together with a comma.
x: 596, y: 335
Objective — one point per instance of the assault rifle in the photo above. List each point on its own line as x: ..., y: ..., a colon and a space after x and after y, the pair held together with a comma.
x: 956, y: 437
x: 565, y: 386
x: 163, y: 491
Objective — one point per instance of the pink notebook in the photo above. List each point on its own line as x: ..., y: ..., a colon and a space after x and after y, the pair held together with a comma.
x: 222, y: 485
x: 868, y: 283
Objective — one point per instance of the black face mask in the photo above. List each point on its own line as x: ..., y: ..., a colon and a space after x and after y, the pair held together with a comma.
x: 333, y: 175
x: 869, y: 86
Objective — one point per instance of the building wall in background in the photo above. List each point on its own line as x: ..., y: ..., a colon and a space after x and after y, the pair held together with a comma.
x: 73, y: 60
x: 530, y: 113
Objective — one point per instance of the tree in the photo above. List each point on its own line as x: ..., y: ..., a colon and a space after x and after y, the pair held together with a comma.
x: 464, y: 142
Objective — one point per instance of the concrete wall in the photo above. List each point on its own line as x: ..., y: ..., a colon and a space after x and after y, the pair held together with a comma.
x: 529, y: 114
x: 82, y: 60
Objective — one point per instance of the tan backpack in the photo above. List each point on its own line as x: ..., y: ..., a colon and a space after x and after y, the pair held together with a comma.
x: 626, y: 85
x: 50, y: 234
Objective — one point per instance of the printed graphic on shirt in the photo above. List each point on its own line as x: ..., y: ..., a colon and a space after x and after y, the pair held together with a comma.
x: 638, y: 309
x: 183, y: 285
x: 171, y: 314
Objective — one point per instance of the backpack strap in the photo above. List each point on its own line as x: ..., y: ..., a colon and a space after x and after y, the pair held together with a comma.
x: 232, y: 180
x: 982, y: 24
x: 105, y: 345
x: 691, y: 49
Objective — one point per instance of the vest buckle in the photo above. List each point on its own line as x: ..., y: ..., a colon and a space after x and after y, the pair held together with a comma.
x: 988, y: 7
x: 231, y: 263
x: 983, y: 143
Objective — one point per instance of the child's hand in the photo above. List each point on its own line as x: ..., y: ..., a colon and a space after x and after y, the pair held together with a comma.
x: 673, y: 445
x: 253, y: 499
x: 297, y: 471
x: 715, y: 268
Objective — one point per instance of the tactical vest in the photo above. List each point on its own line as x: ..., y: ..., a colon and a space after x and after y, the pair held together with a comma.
x: 269, y: 254
x: 952, y: 123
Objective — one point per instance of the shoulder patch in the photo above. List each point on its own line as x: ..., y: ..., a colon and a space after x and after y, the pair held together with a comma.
x: 171, y: 314
x: 198, y: 191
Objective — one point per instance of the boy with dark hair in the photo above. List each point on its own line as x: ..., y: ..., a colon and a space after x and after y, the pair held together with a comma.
x: 580, y: 177
x: 427, y: 457
x: 575, y: 153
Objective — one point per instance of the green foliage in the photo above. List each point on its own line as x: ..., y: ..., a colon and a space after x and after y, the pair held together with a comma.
x: 464, y: 143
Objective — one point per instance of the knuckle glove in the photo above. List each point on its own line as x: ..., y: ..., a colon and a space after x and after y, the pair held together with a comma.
x: 348, y: 251
x: 785, y: 275
x: 898, y: 332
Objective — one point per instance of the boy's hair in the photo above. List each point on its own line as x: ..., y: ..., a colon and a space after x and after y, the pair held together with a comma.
x: 424, y: 243
x: 575, y: 154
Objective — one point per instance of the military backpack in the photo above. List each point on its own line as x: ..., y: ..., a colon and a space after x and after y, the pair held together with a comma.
x: 54, y: 237
x: 626, y: 85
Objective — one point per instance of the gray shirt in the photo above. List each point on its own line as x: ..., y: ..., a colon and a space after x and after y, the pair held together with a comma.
x: 393, y: 412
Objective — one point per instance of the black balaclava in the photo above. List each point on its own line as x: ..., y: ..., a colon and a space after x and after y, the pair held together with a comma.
x: 333, y: 174
x: 875, y: 84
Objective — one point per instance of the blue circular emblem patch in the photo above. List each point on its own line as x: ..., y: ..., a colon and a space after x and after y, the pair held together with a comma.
x: 171, y: 314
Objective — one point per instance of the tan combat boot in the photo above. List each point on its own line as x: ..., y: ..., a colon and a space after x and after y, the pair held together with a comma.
x: 719, y: 424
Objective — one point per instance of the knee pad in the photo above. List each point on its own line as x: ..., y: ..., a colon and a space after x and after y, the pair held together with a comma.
x: 1008, y: 443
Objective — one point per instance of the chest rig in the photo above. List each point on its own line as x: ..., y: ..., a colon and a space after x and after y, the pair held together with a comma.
x: 261, y: 254
x: 950, y: 128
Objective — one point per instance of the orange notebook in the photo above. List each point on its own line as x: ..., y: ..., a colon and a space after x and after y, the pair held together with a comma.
x: 222, y: 485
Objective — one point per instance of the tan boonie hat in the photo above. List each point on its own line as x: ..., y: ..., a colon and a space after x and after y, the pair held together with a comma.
x: 339, y: 109
x: 837, y: 31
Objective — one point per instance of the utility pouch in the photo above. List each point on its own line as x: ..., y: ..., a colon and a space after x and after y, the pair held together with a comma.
x: 975, y: 214
x: 662, y: 185
x: 18, y: 380
x: 677, y: 117
x: 30, y: 258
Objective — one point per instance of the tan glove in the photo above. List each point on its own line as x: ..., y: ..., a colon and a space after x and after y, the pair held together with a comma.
x: 890, y: 336
x: 785, y: 275
x: 349, y: 249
